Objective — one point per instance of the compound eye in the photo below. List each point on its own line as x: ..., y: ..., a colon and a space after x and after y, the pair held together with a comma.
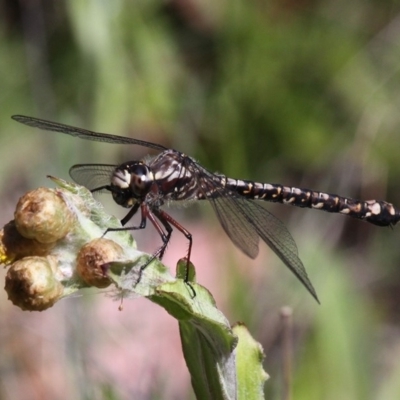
x: 140, y: 179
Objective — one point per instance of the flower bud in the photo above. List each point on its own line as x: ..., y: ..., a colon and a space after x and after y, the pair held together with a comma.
x: 43, y: 215
x: 31, y: 283
x: 92, y: 257
x: 13, y: 246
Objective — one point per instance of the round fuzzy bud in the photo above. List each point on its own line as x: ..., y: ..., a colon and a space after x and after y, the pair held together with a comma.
x: 13, y: 246
x: 91, y: 260
x: 31, y: 283
x: 43, y: 215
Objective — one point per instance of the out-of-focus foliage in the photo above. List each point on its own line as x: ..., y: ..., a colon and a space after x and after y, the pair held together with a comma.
x: 304, y: 93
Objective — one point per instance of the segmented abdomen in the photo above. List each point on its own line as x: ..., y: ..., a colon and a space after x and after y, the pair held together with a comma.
x: 377, y: 212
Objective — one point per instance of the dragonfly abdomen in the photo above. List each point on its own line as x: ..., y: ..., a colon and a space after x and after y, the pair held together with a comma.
x: 377, y: 212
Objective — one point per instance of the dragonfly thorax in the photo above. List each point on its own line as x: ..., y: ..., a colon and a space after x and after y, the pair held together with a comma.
x: 130, y: 182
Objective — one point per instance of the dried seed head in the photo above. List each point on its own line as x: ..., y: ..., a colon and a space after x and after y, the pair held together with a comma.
x: 31, y: 283
x: 92, y: 257
x: 43, y: 215
x: 13, y: 246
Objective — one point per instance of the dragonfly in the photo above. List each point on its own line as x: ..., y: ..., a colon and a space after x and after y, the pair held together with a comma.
x: 173, y: 177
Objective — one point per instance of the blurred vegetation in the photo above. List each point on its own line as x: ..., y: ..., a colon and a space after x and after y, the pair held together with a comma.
x: 304, y: 93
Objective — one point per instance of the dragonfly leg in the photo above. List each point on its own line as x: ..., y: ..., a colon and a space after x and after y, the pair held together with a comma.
x: 127, y: 218
x: 151, y: 215
x: 167, y: 221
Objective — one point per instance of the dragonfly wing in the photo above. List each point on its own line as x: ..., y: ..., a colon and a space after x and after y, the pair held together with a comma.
x: 273, y: 232
x: 245, y: 221
x: 83, y: 133
x: 236, y: 226
x: 92, y: 176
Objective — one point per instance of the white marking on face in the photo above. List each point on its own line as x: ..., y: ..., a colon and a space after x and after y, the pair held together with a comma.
x: 121, y: 178
x: 318, y: 205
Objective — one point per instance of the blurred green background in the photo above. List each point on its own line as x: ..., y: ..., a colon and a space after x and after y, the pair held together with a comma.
x: 303, y: 93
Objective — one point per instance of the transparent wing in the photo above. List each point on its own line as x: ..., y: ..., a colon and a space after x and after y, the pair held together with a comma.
x: 245, y: 221
x: 92, y: 176
x: 83, y: 133
x: 238, y: 228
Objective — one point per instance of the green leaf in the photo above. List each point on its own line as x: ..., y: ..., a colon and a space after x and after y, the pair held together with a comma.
x: 251, y: 376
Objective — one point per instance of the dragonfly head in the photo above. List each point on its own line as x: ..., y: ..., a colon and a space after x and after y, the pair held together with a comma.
x: 131, y: 182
